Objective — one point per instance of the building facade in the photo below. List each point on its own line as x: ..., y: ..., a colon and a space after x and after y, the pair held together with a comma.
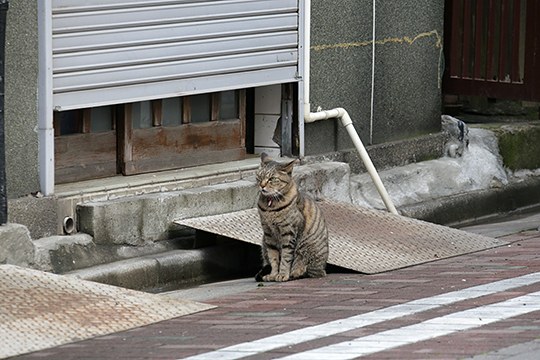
x: 104, y: 88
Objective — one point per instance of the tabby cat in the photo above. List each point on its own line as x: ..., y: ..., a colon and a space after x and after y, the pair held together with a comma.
x: 295, y: 240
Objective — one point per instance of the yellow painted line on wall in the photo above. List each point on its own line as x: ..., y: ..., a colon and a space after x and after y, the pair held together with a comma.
x: 392, y: 40
x: 395, y: 40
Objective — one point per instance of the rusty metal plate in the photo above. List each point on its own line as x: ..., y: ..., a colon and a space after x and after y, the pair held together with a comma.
x: 364, y: 240
x: 40, y: 310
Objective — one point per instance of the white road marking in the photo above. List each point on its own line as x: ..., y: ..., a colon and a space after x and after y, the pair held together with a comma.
x: 295, y: 337
x: 433, y: 328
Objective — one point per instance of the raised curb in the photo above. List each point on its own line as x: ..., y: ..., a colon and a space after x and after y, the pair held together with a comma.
x: 59, y: 254
x: 177, y: 268
x: 464, y: 208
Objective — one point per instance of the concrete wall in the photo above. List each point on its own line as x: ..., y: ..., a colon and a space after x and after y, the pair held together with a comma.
x: 407, y: 77
x: 21, y: 71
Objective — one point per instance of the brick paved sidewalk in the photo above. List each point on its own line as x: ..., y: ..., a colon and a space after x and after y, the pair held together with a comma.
x: 269, y: 310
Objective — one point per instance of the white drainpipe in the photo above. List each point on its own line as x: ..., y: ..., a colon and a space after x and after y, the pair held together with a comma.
x: 337, y: 113
x: 45, y: 103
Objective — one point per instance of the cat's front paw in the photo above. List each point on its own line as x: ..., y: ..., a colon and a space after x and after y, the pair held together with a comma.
x: 269, y: 277
x: 282, y: 277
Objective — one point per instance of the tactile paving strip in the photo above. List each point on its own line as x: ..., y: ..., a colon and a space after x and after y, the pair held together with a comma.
x: 364, y: 240
x: 40, y: 310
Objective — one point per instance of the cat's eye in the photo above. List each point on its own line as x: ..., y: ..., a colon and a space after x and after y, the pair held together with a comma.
x: 274, y: 180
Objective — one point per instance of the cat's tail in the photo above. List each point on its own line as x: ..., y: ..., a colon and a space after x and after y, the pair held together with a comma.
x: 264, y: 271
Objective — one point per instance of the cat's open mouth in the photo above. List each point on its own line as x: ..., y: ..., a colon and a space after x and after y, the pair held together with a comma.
x: 269, y: 198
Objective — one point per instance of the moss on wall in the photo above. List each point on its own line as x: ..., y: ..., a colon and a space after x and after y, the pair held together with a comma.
x: 520, y: 146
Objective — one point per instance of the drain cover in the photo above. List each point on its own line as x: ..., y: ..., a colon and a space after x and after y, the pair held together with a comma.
x: 364, y: 240
x: 40, y: 310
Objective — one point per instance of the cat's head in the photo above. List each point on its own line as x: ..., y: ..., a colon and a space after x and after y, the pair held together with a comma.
x: 274, y: 178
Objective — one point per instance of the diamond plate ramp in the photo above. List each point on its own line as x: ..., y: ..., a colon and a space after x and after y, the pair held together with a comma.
x: 39, y: 310
x: 364, y: 240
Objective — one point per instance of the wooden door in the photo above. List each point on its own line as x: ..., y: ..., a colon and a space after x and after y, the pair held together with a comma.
x: 150, y: 136
x: 492, y: 48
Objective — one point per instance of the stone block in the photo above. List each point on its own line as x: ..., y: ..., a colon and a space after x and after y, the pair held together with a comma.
x: 59, y: 254
x: 328, y: 180
x: 519, y: 146
x: 38, y: 214
x: 16, y: 246
x: 142, y: 219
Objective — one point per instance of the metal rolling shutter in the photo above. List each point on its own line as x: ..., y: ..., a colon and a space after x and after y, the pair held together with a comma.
x: 118, y: 51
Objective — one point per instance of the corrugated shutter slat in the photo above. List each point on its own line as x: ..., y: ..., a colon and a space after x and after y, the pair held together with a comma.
x: 107, y: 52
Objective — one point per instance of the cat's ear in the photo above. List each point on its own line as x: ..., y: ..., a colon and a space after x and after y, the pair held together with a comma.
x: 288, y: 167
x: 265, y: 158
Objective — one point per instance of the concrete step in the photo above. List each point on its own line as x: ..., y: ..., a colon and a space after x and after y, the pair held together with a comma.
x: 60, y: 254
x: 144, y: 219
x: 176, y: 269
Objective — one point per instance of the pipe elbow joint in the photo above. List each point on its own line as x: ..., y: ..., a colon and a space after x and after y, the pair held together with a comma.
x: 344, y: 117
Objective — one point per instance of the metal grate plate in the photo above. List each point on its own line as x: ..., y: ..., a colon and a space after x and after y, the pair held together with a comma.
x: 364, y: 240
x: 39, y: 310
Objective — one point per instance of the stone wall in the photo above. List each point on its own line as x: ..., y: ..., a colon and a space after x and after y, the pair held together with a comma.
x: 21, y: 98
x: 407, y: 72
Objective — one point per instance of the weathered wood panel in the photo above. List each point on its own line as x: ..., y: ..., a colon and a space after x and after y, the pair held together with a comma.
x: 85, y: 156
x: 162, y: 148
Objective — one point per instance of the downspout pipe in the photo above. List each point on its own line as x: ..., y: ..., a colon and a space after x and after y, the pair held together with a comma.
x: 306, y: 54
x: 3, y: 188
x: 340, y: 113
x: 337, y: 113
x: 45, y: 101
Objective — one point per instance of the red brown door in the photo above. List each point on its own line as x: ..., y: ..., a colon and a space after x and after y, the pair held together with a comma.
x: 492, y: 48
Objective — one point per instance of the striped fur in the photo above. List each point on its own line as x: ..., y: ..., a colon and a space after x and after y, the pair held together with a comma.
x: 295, y: 241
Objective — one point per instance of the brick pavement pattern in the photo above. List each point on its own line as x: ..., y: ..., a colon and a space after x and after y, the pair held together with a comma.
x: 269, y: 310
